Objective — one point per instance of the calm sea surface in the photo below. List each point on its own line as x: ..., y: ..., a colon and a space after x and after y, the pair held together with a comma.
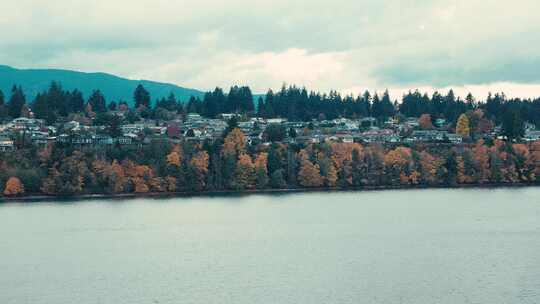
x: 418, y: 246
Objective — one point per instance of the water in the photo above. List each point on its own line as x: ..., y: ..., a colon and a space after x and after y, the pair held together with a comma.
x: 425, y: 246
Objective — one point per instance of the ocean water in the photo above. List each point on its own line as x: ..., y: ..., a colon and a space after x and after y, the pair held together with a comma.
x: 412, y: 246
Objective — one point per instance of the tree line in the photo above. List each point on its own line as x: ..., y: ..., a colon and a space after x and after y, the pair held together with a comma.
x: 291, y: 102
x: 230, y: 164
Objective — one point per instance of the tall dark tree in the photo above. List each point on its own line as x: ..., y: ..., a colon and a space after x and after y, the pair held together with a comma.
x: 3, y: 108
x: 387, y: 108
x: 76, y: 101
x: 41, y: 107
x: 512, y: 123
x: 58, y: 99
x: 112, y: 106
x: 16, y: 102
x: 97, y: 101
x: 240, y: 100
x: 141, y: 97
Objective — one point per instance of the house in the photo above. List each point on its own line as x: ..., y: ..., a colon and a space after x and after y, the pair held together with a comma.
x: 315, y: 139
x: 39, y: 138
x: 368, y: 122
x: 174, y: 131
x: 429, y: 135
x: 102, y: 140
x: 276, y: 120
x: 193, y: 117
x: 412, y: 122
x: 383, y: 135
x: 228, y: 116
x: 6, y: 144
x: 23, y: 123
x: 346, y: 139
x: 454, y: 138
x: 132, y: 128
x: 532, y: 135
x: 72, y: 125
x: 440, y: 122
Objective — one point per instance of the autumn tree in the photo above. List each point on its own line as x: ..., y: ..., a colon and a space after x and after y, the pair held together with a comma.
x: 261, y: 170
x: 68, y: 177
x: 331, y: 176
x: 428, y: 168
x: 175, y: 157
x: 14, y: 187
x: 244, y: 173
x: 462, y: 126
x: 309, y: 174
x: 481, y: 161
x: 342, y: 155
x: 523, y: 162
x: 198, y: 170
x: 398, y: 166
x: 234, y: 145
x: 535, y: 158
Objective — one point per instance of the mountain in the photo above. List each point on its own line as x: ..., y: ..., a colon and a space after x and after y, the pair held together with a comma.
x: 113, y: 87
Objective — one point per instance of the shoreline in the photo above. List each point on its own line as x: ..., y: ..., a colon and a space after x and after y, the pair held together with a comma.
x: 186, y: 194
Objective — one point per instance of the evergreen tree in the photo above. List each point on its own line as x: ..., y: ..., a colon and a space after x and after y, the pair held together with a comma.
x: 16, y: 102
x: 77, y: 101
x: 512, y: 124
x: 97, y: 101
x: 3, y: 108
x: 141, y: 97
x: 112, y: 106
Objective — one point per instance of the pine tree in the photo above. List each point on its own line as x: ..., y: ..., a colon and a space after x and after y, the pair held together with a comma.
x: 97, y: 101
x: 77, y: 101
x: 16, y: 102
x: 141, y: 97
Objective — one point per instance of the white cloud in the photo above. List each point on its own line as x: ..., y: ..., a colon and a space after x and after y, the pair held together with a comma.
x: 324, y: 45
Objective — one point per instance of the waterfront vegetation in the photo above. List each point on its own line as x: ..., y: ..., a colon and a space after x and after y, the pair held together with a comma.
x: 230, y: 160
x: 230, y: 164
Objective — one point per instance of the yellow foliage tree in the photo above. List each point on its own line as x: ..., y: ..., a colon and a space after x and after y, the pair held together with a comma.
x: 14, y: 187
x: 331, y: 176
x: 234, y: 143
x: 200, y: 163
x: 309, y: 174
x: 175, y: 157
x: 463, y: 127
x: 244, y: 172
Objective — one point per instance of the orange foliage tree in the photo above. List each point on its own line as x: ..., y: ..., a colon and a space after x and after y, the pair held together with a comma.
x: 14, y: 187
x: 175, y: 157
x: 234, y: 143
x: 309, y: 174
x: 261, y: 170
x: 244, y: 173
x: 199, y: 162
x: 399, y: 167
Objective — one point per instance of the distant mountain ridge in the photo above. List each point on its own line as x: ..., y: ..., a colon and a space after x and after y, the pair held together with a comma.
x: 113, y: 87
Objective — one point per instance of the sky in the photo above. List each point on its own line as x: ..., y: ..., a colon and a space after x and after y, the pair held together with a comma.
x: 479, y: 46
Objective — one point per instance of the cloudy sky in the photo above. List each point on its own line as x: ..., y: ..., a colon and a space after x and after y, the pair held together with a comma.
x: 352, y: 45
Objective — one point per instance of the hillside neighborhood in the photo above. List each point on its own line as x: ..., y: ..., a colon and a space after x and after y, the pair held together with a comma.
x: 192, y: 127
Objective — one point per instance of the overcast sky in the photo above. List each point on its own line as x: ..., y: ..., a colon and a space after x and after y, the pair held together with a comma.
x: 471, y: 45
